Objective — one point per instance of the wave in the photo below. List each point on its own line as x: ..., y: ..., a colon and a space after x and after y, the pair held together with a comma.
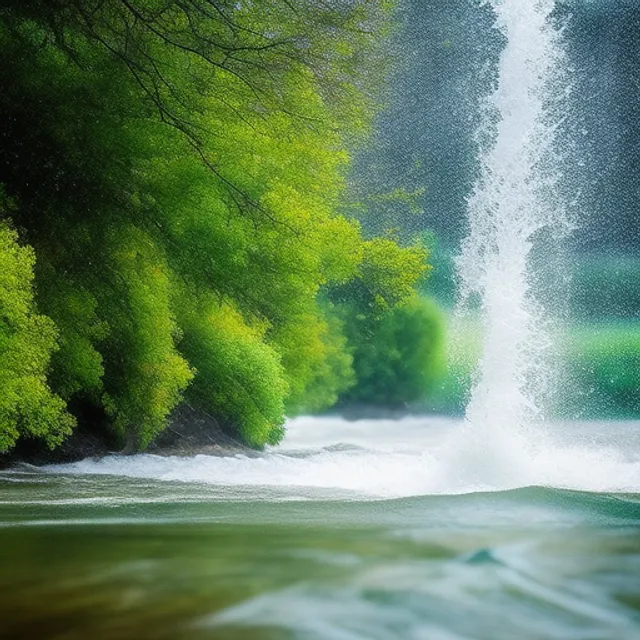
x: 395, y: 459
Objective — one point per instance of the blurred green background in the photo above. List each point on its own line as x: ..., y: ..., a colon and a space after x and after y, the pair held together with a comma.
x: 597, y: 341
x: 425, y: 152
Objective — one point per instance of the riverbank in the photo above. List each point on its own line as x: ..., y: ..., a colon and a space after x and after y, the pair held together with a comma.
x: 190, y: 432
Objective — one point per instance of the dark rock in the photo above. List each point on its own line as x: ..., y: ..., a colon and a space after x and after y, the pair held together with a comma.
x: 190, y: 432
x: 84, y: 442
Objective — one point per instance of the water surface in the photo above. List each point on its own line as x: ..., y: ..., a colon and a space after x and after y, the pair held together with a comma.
x: 346, y: 532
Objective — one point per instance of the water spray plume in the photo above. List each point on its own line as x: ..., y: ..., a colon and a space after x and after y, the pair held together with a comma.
x: 513, y: 206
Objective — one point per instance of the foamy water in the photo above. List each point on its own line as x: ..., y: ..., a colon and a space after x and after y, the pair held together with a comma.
x: 410, y: 457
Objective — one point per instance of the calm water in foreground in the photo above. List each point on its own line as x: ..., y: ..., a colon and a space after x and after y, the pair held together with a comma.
x: 367, y: 530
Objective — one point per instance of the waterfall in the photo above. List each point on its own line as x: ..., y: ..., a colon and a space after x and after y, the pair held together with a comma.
x: 513, y: 210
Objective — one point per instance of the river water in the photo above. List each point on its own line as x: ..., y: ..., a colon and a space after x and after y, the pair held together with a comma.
x: 348, y: 531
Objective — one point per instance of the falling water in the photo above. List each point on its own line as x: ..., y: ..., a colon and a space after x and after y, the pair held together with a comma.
x: 513, y: 211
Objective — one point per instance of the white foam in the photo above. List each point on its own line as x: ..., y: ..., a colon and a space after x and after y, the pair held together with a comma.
x: 412, y: 457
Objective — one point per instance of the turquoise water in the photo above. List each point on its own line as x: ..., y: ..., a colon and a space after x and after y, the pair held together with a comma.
x: 347, y: 532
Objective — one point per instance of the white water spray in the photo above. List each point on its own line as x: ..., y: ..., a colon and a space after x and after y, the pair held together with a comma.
x: 511, y: 208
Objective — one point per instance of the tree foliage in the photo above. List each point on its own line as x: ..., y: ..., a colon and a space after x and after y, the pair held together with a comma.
x: 179, y: 168
x: 398, y: 357
x: 27, y: 340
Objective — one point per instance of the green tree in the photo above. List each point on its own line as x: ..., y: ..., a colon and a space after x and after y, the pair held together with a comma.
x: 399, y: 357
x: 27, y: 340
x: 180, y: 172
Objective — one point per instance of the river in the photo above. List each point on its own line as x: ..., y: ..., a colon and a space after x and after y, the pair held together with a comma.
x: 348, y: 531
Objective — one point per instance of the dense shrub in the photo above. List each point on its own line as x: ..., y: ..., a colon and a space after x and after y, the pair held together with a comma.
x: 398, y: 357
